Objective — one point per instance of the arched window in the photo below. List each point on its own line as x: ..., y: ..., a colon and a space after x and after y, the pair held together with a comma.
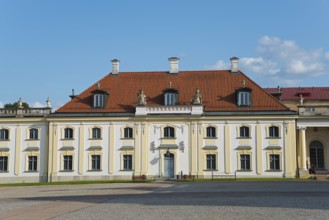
x: 34, y: 134
x: 4, y: 134
x: 274, y: 131
x: 128, y: 132
x: 169, y: 132
x: 244, y: 132
x: 317, y: 155
x: 211, y: 132
x: 96, y: 133
x: 68, y: 133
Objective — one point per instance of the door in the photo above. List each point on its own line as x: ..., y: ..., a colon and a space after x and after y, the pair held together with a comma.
x: 169, y: 165
x: 317, y: 155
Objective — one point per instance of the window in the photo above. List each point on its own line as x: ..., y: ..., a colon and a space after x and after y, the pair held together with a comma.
x: 128, y: 133
x: 4, y: 134
x: 171, y: 98
x: 95, y: 162
x: 245, y: 161
x: 211, y: 162
x: 274, y: 131
x: 33, y: 163
x: 211, y: 132
x: 96, y: 133
x: 34, y: 134
x: 98, y: 101
x: 127, y: 162
x: 244, y: 98
x: 169, y: 132
x: 4, y: 164
x: 244, y: 132
x: 68, y: 163
x: 68, y: 133
x: 274, y: 162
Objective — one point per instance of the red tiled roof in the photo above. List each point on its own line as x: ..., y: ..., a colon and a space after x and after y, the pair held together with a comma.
x: 308, y: 93
x: 218, y: 89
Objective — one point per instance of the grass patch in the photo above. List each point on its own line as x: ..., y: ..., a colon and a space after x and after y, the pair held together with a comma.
x: 76, y: 182
x: 244, y: 180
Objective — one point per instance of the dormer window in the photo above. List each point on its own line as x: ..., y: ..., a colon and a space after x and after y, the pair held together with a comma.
x: 99, y: 98
x: 244, y: 97
x: 170, y: 96
x: 98, y: 101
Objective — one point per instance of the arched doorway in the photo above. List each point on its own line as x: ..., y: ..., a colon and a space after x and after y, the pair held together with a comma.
x: 317, y: 155
x: 169, y: 165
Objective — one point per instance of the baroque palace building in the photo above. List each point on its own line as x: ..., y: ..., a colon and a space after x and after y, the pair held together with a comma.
x: 312, y: 106
x: 157, y: 125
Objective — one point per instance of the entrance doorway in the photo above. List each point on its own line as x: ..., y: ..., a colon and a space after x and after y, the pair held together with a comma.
x: 317, y: 155
x: 169, y: 165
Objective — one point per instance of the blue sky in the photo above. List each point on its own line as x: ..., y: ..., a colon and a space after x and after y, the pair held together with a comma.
x: 49, y: 47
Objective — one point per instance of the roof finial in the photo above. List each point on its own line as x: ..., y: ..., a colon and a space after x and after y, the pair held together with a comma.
x: 243, y: 83
x: 169, y: 84
x: 98, y: 86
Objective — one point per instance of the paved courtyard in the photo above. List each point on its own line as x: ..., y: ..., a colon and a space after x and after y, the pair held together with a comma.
x: 169, y: 200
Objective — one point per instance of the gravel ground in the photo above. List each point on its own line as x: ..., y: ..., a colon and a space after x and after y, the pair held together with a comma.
x: 169, y: 200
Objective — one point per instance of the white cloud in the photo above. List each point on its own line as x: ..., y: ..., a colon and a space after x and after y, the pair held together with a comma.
x: 282, y: 62
x: 37, y: 105
x: 1, y: 104
x: 327, y: 56
x: 219, y: 65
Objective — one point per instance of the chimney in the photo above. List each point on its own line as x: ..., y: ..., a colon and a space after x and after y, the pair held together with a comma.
x: 234, y: 64
x: 173, y: 65
x: 115, y: 67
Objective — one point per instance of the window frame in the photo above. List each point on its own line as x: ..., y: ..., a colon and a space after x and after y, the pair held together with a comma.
x: 96, y: 133
x: 245, y: 162
x: 242, y: 131
x: 67, y: 164
x: 4, y: 164
x: 4, y: 134
x: 96, y: 162
x: 211, y: 132
x: 274, y: 131
x: 68, y: 135
x: 32, y: 165
x: 34, y: 134
x: 244, y: 97
x: 211, y: 162
x: 127, y: 160
x: 169, y: 132
x: 274, y: 162
x: 128, y: 133
x: 99, y: 100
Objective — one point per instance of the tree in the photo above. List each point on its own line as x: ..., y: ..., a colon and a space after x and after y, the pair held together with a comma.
x: 15, y: 105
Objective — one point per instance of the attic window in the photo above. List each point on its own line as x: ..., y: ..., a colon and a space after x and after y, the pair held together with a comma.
x: 244, y: 97
x: 98, y: 101
x: 100, y: 98
x: 170, y: 97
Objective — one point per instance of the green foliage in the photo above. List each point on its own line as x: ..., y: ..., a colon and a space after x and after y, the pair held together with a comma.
x: 15, y: 105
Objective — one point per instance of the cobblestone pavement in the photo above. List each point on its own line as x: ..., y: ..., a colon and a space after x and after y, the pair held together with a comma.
x: 169, y: 200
